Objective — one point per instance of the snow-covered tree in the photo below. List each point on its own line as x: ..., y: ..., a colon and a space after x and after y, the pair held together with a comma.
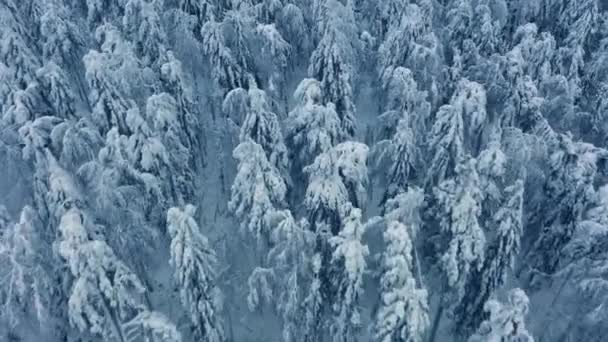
x: 226, y: 70
x: 106, y: 297
x: 56, y: 90
x: 507, y: 321
x: 98, y: 11
x: 194, y: 261
x: 470, y: 100
x: 169, y: 126
x: 407, y: 25
x: 312, y: 128
x: 27, y: 293
x: 569, y: 190
x: 498, y: 264
x: 403, y: 313
x: 291, y: 255
x: 61, y: 38
x: 447, y: 144
x: 410, y: 42
x: 259, y: 123
x: 15, y: 51
x: 314, y: 304
x: 293, y: 26
x: 336, y: 177
x: 333, y: 61
x: 203, y: 11
x: 282, y: 282
x: 175, y: 83
x: 277, y: 51
x: 131, y: 200
x: 583, y: 279
x: 106, y: 72
x: 404, y: 99
x: 403, y: 157
x: 457, y: 130
x: 491, y: 167
x: 258, y: 190
x: 459, y: 200
x: 143, y: 25
x: 348, y: 260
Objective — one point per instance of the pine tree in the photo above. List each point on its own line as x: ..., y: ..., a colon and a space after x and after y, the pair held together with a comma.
x: 28, y: 291
x: 332, y: 63
x: 405, y: 100
x: 314, y: 303
x: 226, y: 70
x: 491, y: 167
x: 106, y: 296
x: 294, y: 27
x: 569, y: 189
x: 498, y: 264
x: 404, y: 159
x: 336, y: 178
x: 282, y: 281
x: 276, y: 50
x: 98, y: 11
x: 403, y: 313
x: 194, y: 262
x: 142, y: 24
x: 109, y: 96
x: 56, y: 90
x: 349, y: 259
x: 459, y: 200
x: 258, y: 190
x: 447, y: 144
x: 408, y: 27
x: 174, y: 80
x: 313, y: 128
x: 402, y: 124
x: 506, y: 321
x: 61, y: 39
x: 259, y: 123
x: 162, y: 110
x: 582, y: 280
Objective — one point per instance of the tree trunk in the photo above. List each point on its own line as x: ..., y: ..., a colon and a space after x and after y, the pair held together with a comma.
x: 436, y: 322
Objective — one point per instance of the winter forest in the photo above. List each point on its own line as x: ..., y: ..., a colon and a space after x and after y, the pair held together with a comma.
x: 303, y: 170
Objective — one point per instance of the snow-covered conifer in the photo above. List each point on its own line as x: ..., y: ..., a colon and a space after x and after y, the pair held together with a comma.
x: 61, y: 37
x: 407, y: 26
x: 258, y: 190
x: 143, y: 25
x: 259, y: 123
x: 226, y: 71
x: 194, y: 261
x: 333, y: 61
x: 106, y: 72
x: 27, y: 292
x: 404, y: 310
x: 348, y: 258
x: 314, y: 303
x: 569, y: 190
x: 491, y: 167
x: 447, y: 144
x: 459, y: 199
x: 312, y: 128
x: 507, y: 320
x: 403, y: 157
x: 470, y: 100
x: 498, y: 264
x: 290, y: 258
x: 57, y: 91
x: 336, y: 177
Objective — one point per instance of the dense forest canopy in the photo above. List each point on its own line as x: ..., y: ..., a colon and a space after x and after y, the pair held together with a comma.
x: 303, y: 170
